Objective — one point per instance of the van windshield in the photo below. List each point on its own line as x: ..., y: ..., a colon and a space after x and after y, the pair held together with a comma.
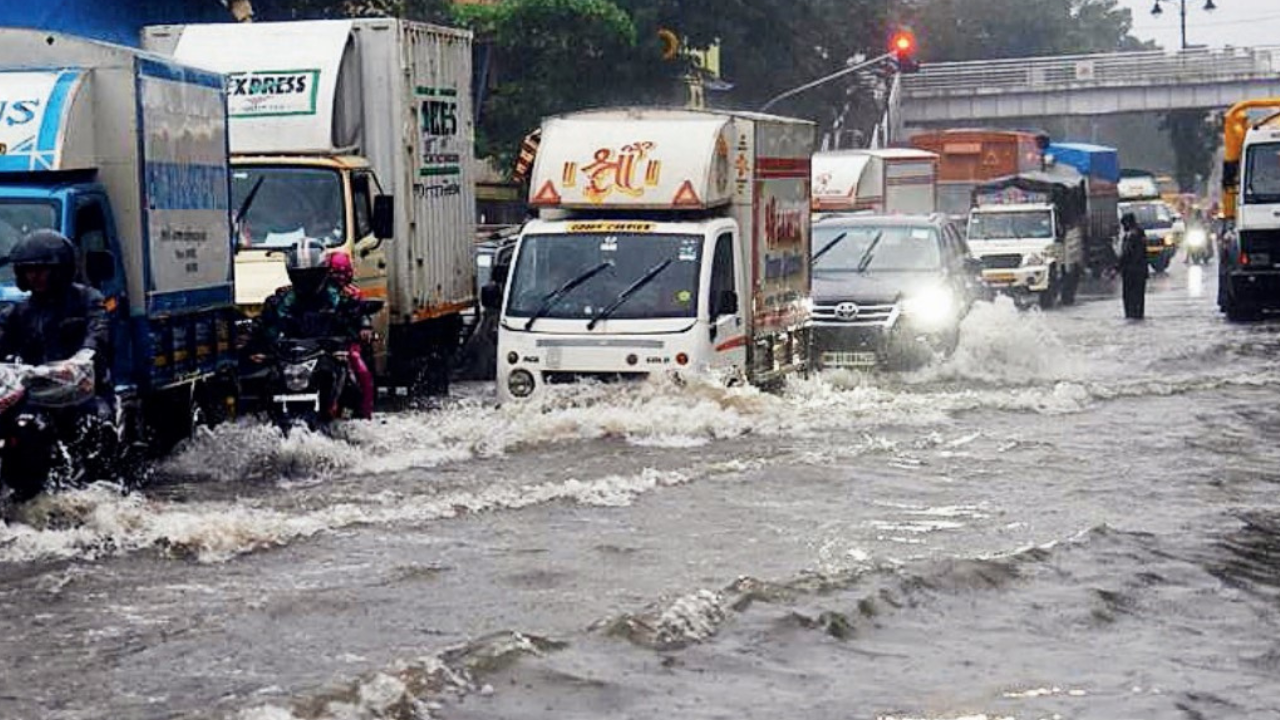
x: 550, y: 263
x: 290, y: 203
x: 19, y: 217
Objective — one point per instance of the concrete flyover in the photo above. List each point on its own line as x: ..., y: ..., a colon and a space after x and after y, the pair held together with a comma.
x: 969, y: 93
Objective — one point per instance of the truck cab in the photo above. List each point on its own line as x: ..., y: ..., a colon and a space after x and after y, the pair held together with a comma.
x: 1249, y: 271
x: 669, y: 242
x: 1017, y: 245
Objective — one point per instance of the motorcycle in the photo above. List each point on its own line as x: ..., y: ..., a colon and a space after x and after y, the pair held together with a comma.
x: 1199, y: 246
x: 311, y: 384
x: 49, y: 437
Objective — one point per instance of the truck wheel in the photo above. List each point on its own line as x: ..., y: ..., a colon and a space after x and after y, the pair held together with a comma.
x: 1050, y: 296
x: 1070, y: 284
x: 1240, y: 313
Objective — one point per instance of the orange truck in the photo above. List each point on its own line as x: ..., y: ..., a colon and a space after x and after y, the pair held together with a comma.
x: 967, y: 158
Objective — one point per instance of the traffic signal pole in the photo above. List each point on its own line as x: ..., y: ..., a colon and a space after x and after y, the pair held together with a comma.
x: 822, y: 80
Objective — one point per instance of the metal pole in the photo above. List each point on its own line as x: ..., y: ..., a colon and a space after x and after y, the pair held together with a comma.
x: 1184, y: 23
x: 828, y: 78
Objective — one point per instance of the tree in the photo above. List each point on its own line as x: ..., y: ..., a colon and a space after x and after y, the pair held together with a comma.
x: 990, y: 29
x: 1195, y: 136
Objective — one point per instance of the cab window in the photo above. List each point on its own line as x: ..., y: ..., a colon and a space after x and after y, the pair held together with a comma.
x: 90, y: 237
x: 721, y: 273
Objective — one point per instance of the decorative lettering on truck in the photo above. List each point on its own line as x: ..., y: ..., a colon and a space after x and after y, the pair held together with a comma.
x: 272, y: 93
x: 440, y: 138
x: 32, y: 106
x: 612, y: 170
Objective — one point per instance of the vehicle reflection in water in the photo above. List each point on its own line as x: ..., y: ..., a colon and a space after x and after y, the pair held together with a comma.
x: 1195, y: 281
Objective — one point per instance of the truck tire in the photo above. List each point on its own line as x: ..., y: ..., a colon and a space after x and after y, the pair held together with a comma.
x: 1050, y: 296
x: 1070, y: 284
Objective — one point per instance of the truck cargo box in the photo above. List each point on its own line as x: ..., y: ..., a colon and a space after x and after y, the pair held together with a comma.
x: 882, y: 181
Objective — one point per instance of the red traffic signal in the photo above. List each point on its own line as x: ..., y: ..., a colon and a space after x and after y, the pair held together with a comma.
x: 903, y: 48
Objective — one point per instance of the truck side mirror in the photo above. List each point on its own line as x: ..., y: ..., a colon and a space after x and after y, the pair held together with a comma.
x: 99, y: 267
x: 726, y: 303
x: 384, y: 216
x: 491, y: 296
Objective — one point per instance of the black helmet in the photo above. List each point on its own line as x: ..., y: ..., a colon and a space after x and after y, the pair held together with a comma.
x: 44, y: 248
x: 1127, y: 220
x: 305, y: 263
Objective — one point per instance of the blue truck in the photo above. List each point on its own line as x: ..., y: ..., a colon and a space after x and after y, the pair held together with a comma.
x: 126, y: 154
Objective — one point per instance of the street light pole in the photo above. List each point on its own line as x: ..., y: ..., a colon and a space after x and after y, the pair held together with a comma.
x: 828, y: 78
x: 1156, y: 11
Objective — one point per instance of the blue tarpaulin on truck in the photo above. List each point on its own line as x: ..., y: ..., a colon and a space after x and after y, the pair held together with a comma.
x: 117, y: 21
x: 1095, y: 161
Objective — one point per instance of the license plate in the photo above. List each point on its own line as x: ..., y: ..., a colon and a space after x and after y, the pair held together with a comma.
x: 849, y: 359
x: 310, y: 398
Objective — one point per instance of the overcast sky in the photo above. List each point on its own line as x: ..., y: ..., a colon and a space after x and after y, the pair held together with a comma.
x: 1235, y: 22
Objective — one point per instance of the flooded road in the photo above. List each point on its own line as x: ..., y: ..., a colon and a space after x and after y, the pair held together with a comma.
x: 1075, y: 516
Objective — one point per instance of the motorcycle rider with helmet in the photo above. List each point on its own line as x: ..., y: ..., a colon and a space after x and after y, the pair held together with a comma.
x: 62, y: 324
x: 342, y: 273
x: 311, y: 306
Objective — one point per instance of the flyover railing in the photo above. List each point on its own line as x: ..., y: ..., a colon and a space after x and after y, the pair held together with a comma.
x: 1127, y: 69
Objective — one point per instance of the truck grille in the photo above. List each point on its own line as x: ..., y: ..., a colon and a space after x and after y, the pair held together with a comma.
x: 853, y: 314
x: 1001, y: 262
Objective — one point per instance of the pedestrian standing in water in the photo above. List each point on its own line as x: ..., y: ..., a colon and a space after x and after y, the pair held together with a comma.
x: 1133, y: 267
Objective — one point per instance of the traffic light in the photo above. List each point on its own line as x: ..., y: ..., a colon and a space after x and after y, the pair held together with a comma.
x: 903, y: 48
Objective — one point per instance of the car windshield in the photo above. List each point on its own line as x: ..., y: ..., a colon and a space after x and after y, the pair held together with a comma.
x: 1262, y: 174
x: 290, y: 203
x: 19, y: 217
x: 1149, y: 215
x: 1012, y: 225
x: 897, y: 247
x: 548, y: 263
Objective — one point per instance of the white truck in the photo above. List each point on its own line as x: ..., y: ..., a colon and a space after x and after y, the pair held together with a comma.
x: 1249, y: 263
x: 125, y: 154
x: 330, y: 120
x: 668, y: 241
x: 887, y: 181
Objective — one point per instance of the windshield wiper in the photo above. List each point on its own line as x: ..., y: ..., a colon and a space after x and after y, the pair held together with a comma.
x: 553, y: 297
x: 869, y: 253
x: 827, y: 248
x: 623, y: 296
x: 248, y: 201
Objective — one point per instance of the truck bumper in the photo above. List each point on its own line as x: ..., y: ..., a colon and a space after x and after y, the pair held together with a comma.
x: 541, y: 361
x: 1033, y: 279
x: 1256, y: 289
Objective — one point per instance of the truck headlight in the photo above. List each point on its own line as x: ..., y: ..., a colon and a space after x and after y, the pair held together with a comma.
x: 931, y: 309
x: 1032, y: 260
x: 520, y: 383
x: 1168, y: 241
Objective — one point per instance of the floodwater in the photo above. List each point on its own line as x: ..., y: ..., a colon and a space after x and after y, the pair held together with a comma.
x: 1074, y: 516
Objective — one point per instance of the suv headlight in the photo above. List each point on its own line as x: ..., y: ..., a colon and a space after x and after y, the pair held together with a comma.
x: 931, y: 309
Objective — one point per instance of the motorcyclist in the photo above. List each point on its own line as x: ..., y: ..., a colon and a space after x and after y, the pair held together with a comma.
x: 311, y: 306
x: 62, y: 324
x: 342, y: 275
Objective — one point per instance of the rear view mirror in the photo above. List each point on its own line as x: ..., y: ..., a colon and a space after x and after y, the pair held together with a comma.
x: 384, y: 216
x: 99, y: 267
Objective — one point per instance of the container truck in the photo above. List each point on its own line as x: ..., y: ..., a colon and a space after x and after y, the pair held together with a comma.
x: 888, y: 181
x: 967, y: 157
x: 329, y: 121
x: 1100, y: 167
x: 1249, y: 263
x: 667, y: 242
x: 125, y: 154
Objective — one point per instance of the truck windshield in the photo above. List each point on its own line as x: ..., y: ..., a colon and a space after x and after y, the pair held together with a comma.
x: 548, y: 263
x: 1021, y: 225
x: 900, y: 247
x: 1262, y: 174
x: 19, y: 217
x: 1149, y: 215
x: 290, y: 203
